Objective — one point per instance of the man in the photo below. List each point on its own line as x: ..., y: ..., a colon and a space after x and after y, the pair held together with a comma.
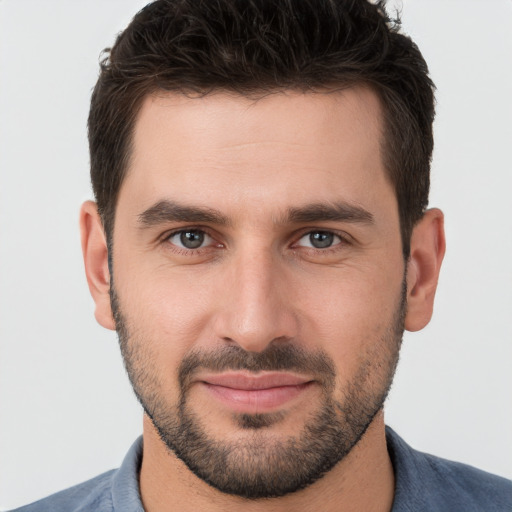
x: 259, y: 241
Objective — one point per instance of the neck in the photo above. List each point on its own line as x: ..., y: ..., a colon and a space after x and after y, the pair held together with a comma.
x: 363, y: 480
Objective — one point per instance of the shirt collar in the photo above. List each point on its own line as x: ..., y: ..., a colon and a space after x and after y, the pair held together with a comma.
x: 126, y: 493
x: 125, y: 483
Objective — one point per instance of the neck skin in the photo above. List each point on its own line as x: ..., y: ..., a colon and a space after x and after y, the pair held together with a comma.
x: 364, y: 480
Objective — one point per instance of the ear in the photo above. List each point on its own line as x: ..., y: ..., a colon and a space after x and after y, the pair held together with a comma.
x: 428, y: 246
x: 95, y: 253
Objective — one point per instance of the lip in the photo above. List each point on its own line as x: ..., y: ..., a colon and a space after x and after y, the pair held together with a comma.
x: 255, y: 393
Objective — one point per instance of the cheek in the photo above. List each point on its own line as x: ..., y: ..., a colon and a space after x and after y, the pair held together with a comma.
x: 166, y: 309
x: 349, y: 316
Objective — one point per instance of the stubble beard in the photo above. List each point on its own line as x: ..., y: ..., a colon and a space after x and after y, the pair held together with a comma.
x: 260, y: 465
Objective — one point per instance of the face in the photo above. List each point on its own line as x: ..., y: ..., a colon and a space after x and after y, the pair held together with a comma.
x: 258, y: 281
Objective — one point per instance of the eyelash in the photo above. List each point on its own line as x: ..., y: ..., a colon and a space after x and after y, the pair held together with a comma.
x: 183, y: 251
x: 344, y: 240
x: 332, y: 247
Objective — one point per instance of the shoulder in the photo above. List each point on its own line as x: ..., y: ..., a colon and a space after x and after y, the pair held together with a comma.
x: 471, y: 488
x: 426, y: 482
x: 95, y: 494
x: 115, y: 490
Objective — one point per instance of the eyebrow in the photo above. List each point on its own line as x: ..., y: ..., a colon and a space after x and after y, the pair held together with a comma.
x: 171, y: 211
x: 321, y: 212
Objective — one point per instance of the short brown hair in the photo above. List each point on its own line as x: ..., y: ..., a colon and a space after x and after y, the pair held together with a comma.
x: 248, y: 46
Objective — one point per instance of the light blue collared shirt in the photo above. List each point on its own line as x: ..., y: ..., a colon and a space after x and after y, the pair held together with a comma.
x: 423, y: 483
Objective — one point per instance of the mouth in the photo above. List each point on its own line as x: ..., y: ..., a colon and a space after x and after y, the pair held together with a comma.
x: 255, y: 393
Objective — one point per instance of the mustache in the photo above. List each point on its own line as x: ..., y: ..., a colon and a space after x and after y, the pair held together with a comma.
x: 276, y: 357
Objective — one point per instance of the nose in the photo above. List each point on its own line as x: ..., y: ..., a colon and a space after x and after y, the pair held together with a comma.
x: 256, y: 303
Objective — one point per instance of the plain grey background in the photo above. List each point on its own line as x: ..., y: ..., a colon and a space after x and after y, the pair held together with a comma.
x: 67, y: 411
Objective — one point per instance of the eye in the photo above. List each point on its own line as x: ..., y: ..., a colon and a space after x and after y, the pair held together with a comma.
x: 319, y: 240
x: 190, y: 239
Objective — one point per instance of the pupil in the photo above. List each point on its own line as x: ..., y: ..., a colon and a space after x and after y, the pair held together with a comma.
x: 192, y: 239
x: 321, y: 239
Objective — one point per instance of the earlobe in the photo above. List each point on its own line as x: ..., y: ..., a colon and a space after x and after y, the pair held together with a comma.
x: 428, y: 246
x: 95, y: 254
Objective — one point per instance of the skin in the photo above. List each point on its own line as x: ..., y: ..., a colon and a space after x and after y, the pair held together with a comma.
x: 258, y: 281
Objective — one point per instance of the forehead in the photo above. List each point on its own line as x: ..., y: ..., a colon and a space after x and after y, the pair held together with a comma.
x: 289, y: 146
